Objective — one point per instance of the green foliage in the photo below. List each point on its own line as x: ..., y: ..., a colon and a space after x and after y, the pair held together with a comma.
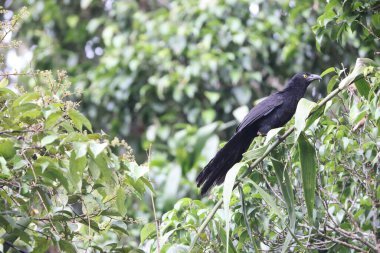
x: 343, y: 18
x: 156, y: 72
x: 227, y: 192
x: 283, y: 180
x: 62, y: 185
x: 308, y: 171
x: 164, y: 72
x: 66, y: 180
x: 163, y: 69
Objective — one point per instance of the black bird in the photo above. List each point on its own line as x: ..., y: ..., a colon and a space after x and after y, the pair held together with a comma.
x: 274, y: 111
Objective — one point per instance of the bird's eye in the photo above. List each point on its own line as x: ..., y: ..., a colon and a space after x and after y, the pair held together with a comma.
x: 304, y: 76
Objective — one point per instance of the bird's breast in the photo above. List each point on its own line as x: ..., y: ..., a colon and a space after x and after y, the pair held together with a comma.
x: 282, y: 114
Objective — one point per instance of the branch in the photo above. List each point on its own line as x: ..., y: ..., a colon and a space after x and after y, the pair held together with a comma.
x: 340, y: 242
x: 355, y: 75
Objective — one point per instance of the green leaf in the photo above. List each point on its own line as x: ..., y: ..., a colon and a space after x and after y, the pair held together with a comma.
x: 268, y: 199
x: 45, y: 198
x: 93, y: 224
x: 356, y: 73
x: 327, y: 71
x: 54, y: 173
x: 287, y: 191
x: 308, y: 172
x: 49, y: 169
x: 19, y: 163
x: 27, y: 97
x: 121, y: 196
x: 136, y: 171
x: 41, y: 244
x: 358, y: 116
x: 376, y: 20
x: 253, y: 154
x: 229, y: 245
x: 7, y: 93
x: 79, y: 120
x: 317, y: 112
x: 328, y: 16
x: 53, y: 119
x: 147, y: 231
x: 23, y: 110
x: 18, y: 230
x: 7, y: 149
x: 363, y: 87
x: 318, y: 41
x: 120, y: 226
x: 271, y: 134
x: 304, y: 108
x: 4, y: 82
x: 94, y: 169
x: 102, y: 161
x: 67, y: 247
x: 77, y: 167
x: 97, y: 148
x: 89, y: 204
x: 246, y: 219
x: 31, y: 115
x: 332, y: 83
x: 182, y: 203
x: 285, y: 184
x: 148, y: 184
x: 48, y: 140
x: 228, y: 187
x: 80, y: 149
x: 5, y: 173
x: 138, y: 187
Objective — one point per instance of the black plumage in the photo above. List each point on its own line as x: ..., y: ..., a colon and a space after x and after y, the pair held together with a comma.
x: 274, y: 111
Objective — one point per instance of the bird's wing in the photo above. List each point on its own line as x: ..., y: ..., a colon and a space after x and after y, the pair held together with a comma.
x: 260, y: 110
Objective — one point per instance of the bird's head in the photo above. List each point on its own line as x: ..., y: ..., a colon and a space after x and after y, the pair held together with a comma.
x: 303, y: 79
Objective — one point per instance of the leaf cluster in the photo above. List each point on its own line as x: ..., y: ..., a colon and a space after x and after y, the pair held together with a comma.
x: 62, y: 186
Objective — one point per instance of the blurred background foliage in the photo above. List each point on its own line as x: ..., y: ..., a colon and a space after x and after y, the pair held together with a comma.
x: 165, y: 75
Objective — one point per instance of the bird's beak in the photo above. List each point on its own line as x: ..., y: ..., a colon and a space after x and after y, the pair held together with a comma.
x: 313, y: 77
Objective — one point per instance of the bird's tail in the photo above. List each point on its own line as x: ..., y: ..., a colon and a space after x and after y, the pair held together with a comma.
x: 216, y: 170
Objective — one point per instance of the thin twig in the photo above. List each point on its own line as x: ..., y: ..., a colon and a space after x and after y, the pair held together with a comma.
x: 352, y: 236
x: 38, y: 193
x: 157, y: 221
x: 6, y: 74
x: 341, y: 242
